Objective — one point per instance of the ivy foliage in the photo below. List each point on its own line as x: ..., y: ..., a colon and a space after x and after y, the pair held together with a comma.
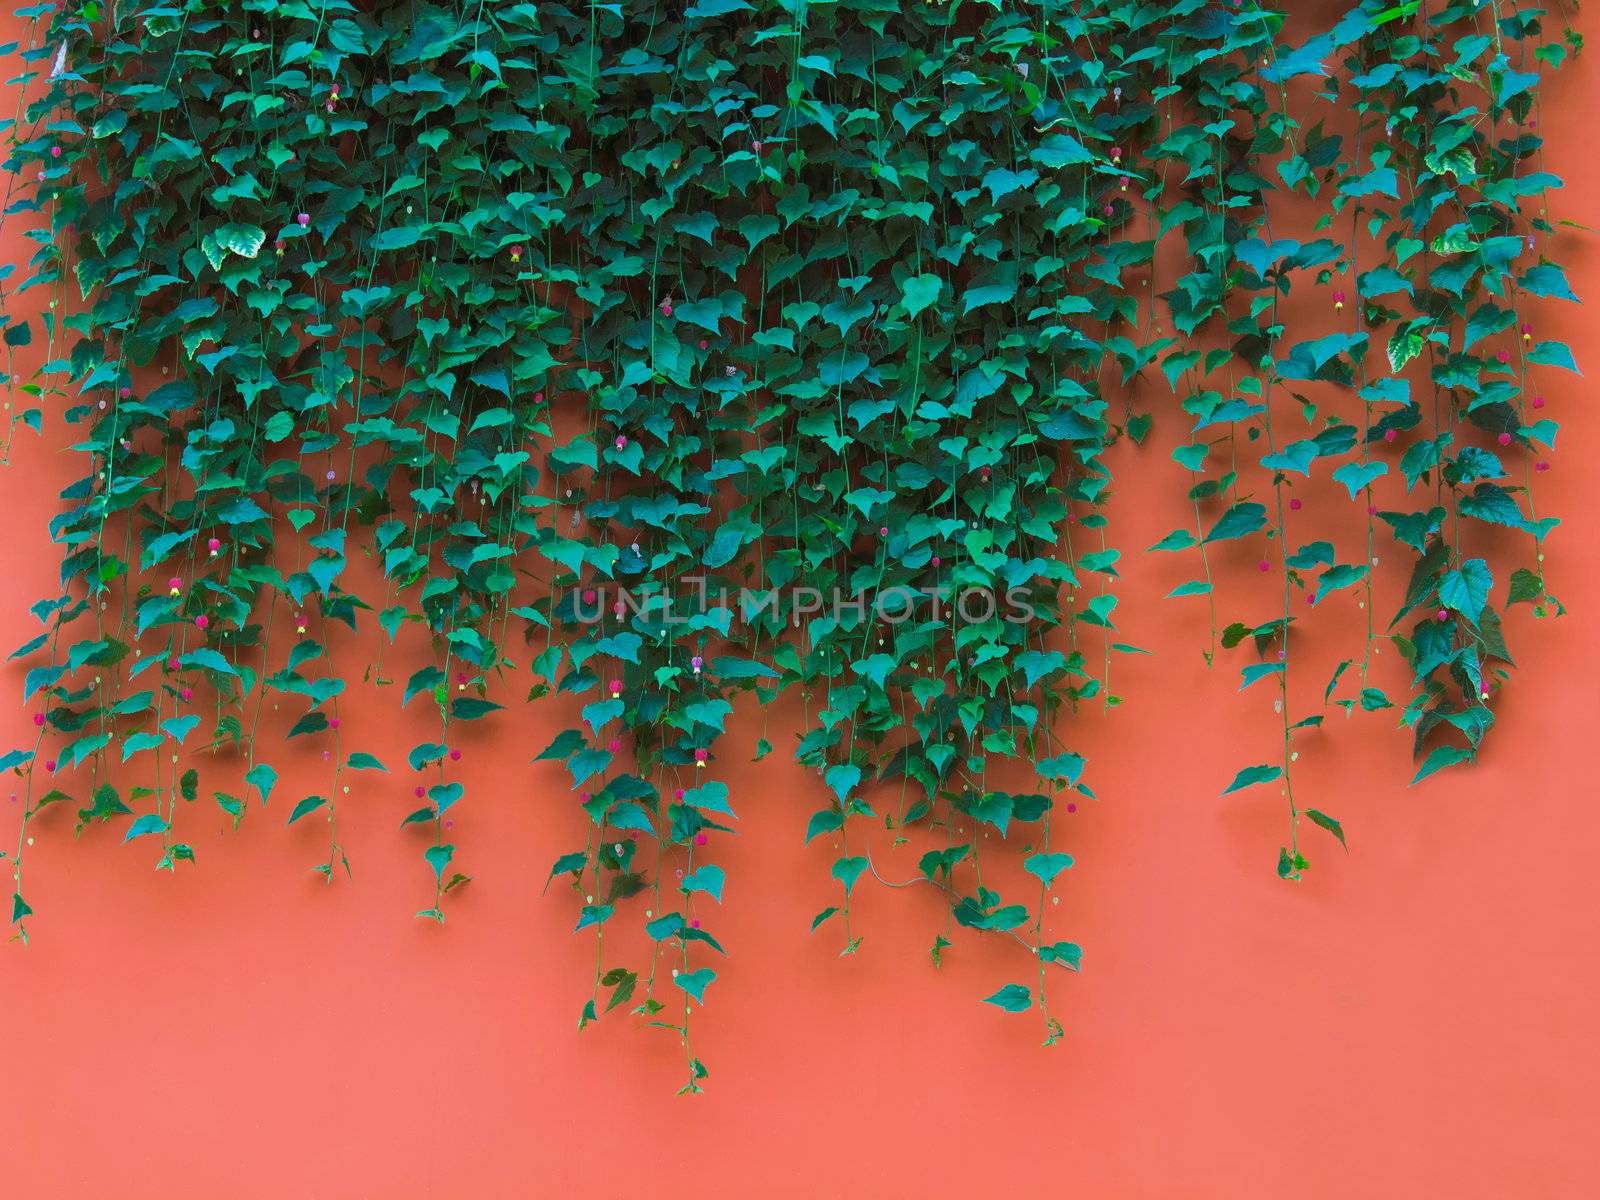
x: 563, y: 314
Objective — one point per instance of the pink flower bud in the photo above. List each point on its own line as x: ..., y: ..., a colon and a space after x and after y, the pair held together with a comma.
x: 187, y: 693
x: 38, y: 718
x: 55, y: 151
x: 124, y: 393
x: 1294, y: 505
x: 621, y: 441
x: 1443, y: 615
x: 615, y: 745
x: 50, y: 764
x: 303, y: 219
x: 700, y: 839
x: 455, y: 756
x: 1538, y: 401
x: 700, y: 756
x: 1504, y: 439
x: 1389, y: 435
x: 334, y: 723
x: 419, y: 791
x: 1263, y: 565
x: 936, y: 560
x: 213, y: 543
x: 1541, y: 465
x: 202, y: 621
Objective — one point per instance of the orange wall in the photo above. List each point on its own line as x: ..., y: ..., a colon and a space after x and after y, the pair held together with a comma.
x: 1416, y: 1018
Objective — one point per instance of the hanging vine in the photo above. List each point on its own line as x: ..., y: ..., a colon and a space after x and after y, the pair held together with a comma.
x: 659, y: 357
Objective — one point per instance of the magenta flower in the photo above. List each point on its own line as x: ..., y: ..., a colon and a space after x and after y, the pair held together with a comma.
x: 1504, y: 439
x: 202, y: 621
x: 303, y: 219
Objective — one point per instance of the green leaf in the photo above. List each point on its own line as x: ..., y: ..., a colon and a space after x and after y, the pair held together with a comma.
x: 1442, y: 757
x: 309, y: 805
x: 1328, y: 823
x: 1253, y: 775
x: 708, y: 879
x: 1014, y: 998
x: 1466, y: 590
x: 1047, y: 866
x: 695, y: 982
x: 1238, y: 522
x: 261, y: 777
x: 849, y: 869
x: 919, y: 291
x: 1356, y: 476
x: 148, y: 823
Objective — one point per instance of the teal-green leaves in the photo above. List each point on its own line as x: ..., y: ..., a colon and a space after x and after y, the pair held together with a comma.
x: 722, y: 326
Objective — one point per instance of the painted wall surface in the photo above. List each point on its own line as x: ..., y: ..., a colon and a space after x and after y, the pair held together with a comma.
x: 1415, y: 1019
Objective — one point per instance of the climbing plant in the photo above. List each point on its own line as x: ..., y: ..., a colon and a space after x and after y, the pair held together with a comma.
x: 626, y: 360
